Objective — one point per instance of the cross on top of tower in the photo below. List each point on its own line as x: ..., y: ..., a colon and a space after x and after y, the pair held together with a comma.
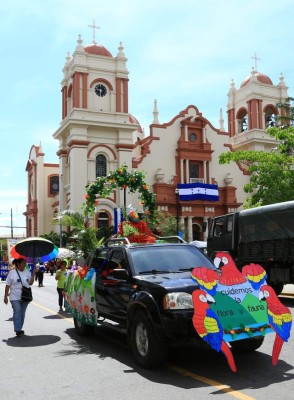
x: 94, y: 27
x: 255, y: 58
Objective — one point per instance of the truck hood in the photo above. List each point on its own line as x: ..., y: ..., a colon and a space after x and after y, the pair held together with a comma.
x: 180, y: 282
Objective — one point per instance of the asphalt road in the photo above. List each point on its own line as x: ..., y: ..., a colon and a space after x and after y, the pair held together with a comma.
x: 52, y: 362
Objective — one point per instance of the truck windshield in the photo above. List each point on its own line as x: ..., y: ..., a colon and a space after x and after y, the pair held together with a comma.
x: 168, y: 259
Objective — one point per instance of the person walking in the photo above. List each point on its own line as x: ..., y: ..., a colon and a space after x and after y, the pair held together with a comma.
x: 18, y: 277
x: 60, y: 276
x: 51, y: 268
x: 40, y: 275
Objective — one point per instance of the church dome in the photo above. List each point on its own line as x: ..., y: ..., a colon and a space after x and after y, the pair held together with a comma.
x: 134, y: 120
x: 97, y: 49
x: 262, y: 78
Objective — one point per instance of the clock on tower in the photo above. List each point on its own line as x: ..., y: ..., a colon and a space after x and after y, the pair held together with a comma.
x: 100, y: 90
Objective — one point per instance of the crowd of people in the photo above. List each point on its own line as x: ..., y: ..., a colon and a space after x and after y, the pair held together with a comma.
x: 21, y: 275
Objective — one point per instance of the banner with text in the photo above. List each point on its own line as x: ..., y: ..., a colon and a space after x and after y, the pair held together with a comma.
x: 4, y: 269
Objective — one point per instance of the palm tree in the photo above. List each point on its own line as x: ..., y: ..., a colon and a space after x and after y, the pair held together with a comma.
x: 55, y: 238
x: 84, y: 236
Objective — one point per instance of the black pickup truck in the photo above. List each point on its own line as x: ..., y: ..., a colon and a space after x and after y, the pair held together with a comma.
x: 262, y: 235
x: 147, y: 290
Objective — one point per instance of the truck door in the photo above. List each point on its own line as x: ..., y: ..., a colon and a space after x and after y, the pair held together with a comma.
x: 112, y: 295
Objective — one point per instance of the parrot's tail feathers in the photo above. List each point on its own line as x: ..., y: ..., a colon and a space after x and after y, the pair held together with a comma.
x: 278, y: 344
x: 227, y: 352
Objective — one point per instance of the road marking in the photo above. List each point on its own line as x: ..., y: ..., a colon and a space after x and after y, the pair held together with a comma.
x: 68, y: 319
x: 211, y: 382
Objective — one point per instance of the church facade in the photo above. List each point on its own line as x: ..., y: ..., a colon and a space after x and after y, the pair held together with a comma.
x: 98, y: 134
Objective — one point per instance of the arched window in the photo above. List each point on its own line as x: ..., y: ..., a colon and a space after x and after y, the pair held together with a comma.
x: 53, y: 185
x: 270, y: 116
x: 242, y: 118
x: 103, y: 221
x: 270, y: 120
x: 244, y: 123
x: 194, y: 169
x: 100, y: 165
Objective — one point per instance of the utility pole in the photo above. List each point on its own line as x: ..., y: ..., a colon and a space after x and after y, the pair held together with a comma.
x: 11, y: 223
x: 11, y: 226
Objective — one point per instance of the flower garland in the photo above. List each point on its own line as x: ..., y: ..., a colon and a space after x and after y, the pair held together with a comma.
x: 132, y: 181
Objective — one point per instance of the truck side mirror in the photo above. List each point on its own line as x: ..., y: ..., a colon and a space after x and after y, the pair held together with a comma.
x: 120, y: 274
x: 204, y: 226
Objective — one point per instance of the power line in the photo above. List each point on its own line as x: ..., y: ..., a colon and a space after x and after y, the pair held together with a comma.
x: 11, y: 226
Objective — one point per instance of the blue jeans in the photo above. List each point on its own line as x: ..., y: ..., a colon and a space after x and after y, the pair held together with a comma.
x: 19, y: 310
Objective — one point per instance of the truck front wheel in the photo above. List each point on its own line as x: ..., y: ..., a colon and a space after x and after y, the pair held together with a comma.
x: 83, y: 329
x: 148, y: 351
x: 247, y: 345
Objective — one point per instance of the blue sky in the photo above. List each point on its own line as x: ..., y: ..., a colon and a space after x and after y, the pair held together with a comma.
x: 179, y: 52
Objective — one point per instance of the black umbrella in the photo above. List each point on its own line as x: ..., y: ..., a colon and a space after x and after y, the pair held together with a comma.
x: 34, y: 248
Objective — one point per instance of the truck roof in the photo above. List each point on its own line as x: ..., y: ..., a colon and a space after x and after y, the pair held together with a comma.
x: 268, y: 208
x: 274, y: 221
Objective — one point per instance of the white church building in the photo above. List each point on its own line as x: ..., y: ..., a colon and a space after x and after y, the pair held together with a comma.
x: 98, y: 134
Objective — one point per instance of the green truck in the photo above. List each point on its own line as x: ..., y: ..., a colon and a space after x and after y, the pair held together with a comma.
x: 262, y: 235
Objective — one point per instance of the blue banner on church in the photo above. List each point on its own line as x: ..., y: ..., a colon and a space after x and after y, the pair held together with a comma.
x: 118, y: 218
x: 198, y: 191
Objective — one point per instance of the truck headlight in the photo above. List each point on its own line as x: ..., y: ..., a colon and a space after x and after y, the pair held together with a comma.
x: 177, y: 301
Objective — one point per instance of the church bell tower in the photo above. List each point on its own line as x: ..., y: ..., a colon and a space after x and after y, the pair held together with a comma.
x: 252, y: 109
x: 96, y: 131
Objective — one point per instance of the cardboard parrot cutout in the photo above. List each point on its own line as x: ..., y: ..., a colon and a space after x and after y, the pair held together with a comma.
x: 232, y: 305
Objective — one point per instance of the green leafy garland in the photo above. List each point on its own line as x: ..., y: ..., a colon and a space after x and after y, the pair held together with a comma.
x: 244, y: 329
x: 132, y: 181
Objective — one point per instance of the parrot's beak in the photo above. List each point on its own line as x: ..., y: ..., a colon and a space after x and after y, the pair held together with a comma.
x: 210, y: 299
x: 261, y: 296
x: 218, y: 263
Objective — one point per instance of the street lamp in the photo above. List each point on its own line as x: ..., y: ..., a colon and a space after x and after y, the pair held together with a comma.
x: 177, y: 208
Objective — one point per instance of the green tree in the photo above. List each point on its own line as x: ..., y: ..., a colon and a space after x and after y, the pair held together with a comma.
x: 3, y: 248
x: 84, y: 237
x: 167, y: 224
x: 287, y: 112
x: 271, y: 173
